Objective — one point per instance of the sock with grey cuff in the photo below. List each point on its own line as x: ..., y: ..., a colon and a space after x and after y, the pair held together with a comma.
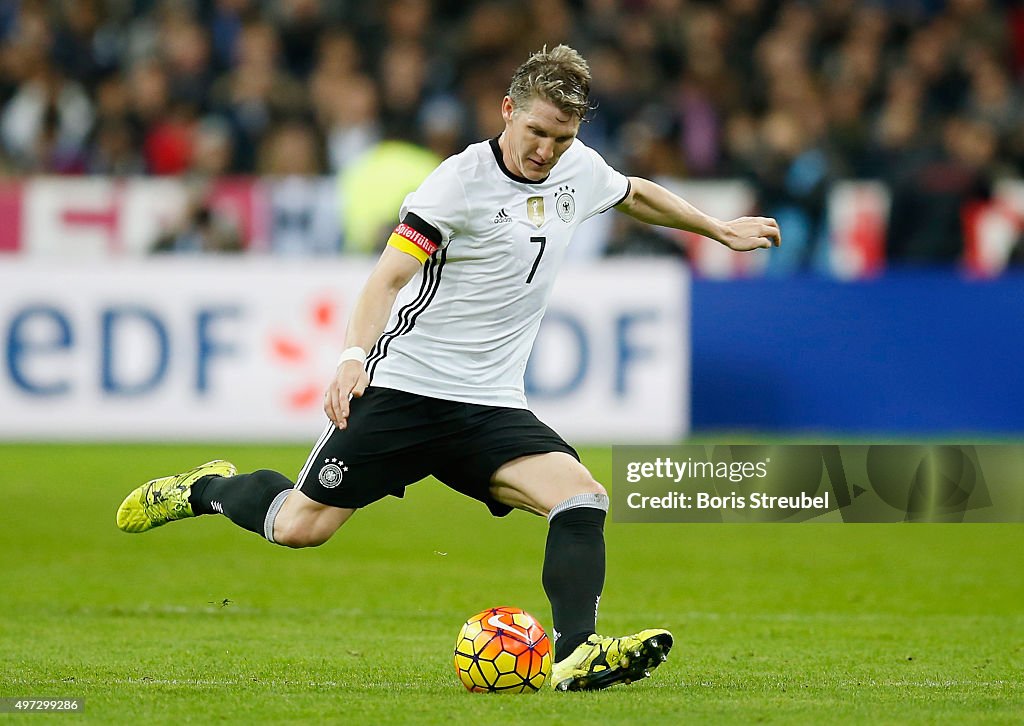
x: 574, y: 566
x: 251, y: 501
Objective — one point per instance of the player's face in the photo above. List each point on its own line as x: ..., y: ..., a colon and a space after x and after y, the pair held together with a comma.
x: 535, y: 137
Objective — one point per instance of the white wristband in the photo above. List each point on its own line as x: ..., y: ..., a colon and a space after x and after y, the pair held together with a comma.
x: 354, y: 353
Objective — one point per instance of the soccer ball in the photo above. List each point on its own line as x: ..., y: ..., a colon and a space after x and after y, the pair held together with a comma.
x: 502, y: 650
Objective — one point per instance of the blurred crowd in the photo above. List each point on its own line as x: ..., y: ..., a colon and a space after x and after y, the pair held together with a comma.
x: 927, y: 96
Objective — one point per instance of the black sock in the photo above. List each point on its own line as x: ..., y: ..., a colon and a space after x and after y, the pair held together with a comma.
x: 245, y: 499
x: 574, y: 575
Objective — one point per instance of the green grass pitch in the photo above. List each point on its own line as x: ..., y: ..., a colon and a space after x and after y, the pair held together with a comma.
x: 201, y: 622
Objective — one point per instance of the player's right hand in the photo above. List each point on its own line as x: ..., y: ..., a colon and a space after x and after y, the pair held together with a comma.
x: 349, y: 382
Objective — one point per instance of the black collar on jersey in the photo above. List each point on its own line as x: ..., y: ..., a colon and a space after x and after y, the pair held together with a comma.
x: 505, y: 170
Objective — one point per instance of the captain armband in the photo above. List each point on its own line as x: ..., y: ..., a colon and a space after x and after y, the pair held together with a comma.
x: 416, y: 237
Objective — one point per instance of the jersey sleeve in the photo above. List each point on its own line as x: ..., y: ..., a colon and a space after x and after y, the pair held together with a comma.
x: 431, y: 215
x: 610, y: 187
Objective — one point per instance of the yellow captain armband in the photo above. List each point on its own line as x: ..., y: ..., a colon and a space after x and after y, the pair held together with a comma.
x: 416, y: 237
x: 401, y: 243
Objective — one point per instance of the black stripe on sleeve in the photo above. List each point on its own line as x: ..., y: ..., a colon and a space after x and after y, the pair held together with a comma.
x: 629, y: 187
x: 407, y: 316
x: 422, y: 226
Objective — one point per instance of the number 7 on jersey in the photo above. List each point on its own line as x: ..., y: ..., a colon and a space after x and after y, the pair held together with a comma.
x: 542, y: 241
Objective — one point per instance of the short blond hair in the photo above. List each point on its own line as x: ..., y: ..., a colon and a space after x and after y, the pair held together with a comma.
x: 560, y: 75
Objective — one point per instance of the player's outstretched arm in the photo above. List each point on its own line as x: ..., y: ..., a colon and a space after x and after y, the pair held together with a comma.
x: 370, y: 315
x: 654, y: 204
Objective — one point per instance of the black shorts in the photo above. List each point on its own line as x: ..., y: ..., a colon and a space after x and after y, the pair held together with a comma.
x: 395, y: 439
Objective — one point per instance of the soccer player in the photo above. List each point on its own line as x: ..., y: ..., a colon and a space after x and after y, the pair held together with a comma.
x: 431, y: 378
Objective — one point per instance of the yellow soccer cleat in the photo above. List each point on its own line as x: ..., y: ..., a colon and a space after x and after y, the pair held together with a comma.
x: 164, y: 500
x: 601, y: 662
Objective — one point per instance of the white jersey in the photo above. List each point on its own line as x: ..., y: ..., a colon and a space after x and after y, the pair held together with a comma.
x: 492, y: 244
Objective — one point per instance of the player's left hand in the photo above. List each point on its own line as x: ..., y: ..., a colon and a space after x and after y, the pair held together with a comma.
x: 751, y: 233
x: 349, y: 382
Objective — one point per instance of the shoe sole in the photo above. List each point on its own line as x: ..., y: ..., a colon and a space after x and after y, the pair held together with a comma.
x: 651, y: 654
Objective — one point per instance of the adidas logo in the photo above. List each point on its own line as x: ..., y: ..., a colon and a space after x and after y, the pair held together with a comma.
x: 502, y: 217
x: 217, y: 507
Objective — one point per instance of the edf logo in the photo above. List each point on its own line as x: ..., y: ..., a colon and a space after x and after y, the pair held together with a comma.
x: 568, y: 351
x: 245, y: 350
x: 135, y: 348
